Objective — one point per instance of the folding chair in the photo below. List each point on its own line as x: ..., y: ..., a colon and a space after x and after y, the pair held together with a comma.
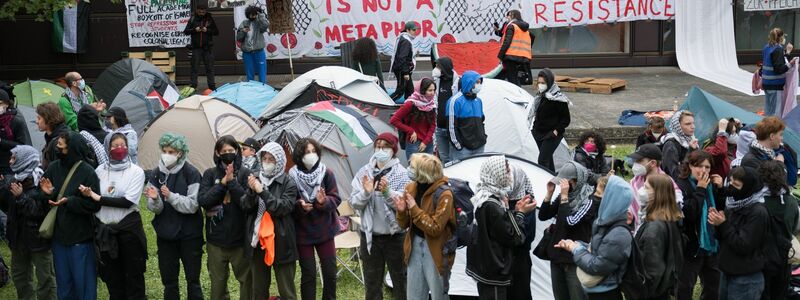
x: 350, y: 239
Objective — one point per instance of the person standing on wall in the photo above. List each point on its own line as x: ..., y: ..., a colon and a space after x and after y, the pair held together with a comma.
x: 515, y: 48
x: 251, y: 36
x: 773, y: 72
x: 403, y: 62
x: 202, y: 28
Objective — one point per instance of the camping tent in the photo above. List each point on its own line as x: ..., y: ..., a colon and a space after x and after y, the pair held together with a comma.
x: 348, y: 81
x: 202, y: 120
x: 463, y: 285
x: 709, y: 109
x: 339, y: 155
x: 141, y: 98
x: 28, y: 95
x: 314, y: 92
x: 252, y: 96
x: 117, y: 75
x: 507, y: 124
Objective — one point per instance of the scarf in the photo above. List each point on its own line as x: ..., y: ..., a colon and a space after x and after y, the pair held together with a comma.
x: 708, y: 243
x: 764, y: 150
x: 249, y: 162
x: 75, y: 101
x: 308, y: 184
x: 276, y: 151
x: 520, y: 185
x: 422, y: 102
x: 579, y: 196
x: 552, y: 94
x: 26, y: 164
x: 495, y: 182
x: 675, y: 131
x: 5, y: 122
x: 118, y: 165
x: 757, y: 197
x: 168, y: 171
x: 396, y: 176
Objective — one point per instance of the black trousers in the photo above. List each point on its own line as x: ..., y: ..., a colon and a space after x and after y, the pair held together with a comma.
x: 776, y: 285
x: 387, y: 251
x: 170, y: 256
x: 492, y: 292
x: 511, y: 71
x: 207, y: 57
x: 124, y: 275
x: 520, y: 288
x: 404, y: 87
x: 707, y: 267
x: 614, y: 294
x: 547, y: 143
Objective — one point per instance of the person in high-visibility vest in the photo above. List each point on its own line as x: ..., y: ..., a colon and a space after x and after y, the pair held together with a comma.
x: 515, y: 49
x: 773, y: 72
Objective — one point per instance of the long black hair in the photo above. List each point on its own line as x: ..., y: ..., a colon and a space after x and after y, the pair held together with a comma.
x: 300, y: 151
x: 365, y: 51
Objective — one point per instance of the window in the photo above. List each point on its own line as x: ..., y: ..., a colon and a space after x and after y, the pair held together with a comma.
x: 668, y: 35
x: 752, y: 27
x: 598, y: 38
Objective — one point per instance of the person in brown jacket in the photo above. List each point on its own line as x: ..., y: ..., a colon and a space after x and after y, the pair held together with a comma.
x: 430, y: 224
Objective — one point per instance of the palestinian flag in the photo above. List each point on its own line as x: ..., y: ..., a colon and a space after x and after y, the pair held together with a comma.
x: 350, y: 122
x: 71, y: 28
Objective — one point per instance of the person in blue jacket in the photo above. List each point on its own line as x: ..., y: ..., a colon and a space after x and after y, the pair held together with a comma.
x: 465, y: 117
x: 773, y: 72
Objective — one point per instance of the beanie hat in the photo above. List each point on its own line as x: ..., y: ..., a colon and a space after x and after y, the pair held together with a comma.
x: 389, y: 138
x: 410, y: 25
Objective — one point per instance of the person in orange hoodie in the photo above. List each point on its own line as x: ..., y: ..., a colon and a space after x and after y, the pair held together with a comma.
x: 275, y: 193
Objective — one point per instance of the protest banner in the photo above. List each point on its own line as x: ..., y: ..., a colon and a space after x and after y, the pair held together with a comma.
x: 760, y: 5
x: 560, y: 13
x: 158, y: 23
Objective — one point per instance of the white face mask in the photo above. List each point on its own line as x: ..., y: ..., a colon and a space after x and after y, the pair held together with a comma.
x: 644, y: 196
x: 436, y: 73
x: 542, y: 87
x: 169, y: 159
x: 310, y: 160
x: 382, y: 156
x: 268, y: 167
x: 3, y: 109
x: 638, y: 169
x: 733, y: 139
x: 476, y: 89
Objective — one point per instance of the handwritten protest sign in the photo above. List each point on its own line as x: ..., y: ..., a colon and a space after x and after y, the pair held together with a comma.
x: 158, y: 22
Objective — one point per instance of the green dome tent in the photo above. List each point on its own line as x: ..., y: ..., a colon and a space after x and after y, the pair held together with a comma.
x: 28, y: 95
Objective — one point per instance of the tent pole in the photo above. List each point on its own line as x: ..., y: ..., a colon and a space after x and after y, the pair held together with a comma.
x: 291, y: 64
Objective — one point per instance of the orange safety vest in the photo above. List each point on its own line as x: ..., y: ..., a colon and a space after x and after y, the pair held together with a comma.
x: 520, y: 43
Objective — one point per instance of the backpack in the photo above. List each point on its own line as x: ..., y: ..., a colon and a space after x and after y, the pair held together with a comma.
x: 776, y: 249
x: 463, y: 233
x: 635, y: 283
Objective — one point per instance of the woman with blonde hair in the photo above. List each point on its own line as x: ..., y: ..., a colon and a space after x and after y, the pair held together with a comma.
x: 659, y: 237
x: 773, y: 71
x: 430, y: 224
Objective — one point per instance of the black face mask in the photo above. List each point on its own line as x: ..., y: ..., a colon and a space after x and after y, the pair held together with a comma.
x: 735, y: 193
x: 60, y: 155
x: 227, y: 158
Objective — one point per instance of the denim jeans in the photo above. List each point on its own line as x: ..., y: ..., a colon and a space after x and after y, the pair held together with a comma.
x: 566, y: 285
x: 742, y: 287
x: 443, y: 144
x: 412, y: 148
x: 422, y: 276
x: 464, y: 153
x: 255, y: 61
x: 772, y: 104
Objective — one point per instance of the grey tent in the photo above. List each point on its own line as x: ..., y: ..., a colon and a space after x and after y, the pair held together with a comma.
x: 339, y: 155
x: 117, y: 75
x: 141, y: 99
x: 37, y: 137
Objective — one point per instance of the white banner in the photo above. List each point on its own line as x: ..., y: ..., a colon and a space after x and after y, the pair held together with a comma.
x: 559, y: 13
x: 158, y: 22
x: 756, y: 5
x: 321, y: 25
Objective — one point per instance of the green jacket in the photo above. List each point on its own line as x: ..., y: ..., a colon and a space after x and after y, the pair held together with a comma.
x: 70, y: 115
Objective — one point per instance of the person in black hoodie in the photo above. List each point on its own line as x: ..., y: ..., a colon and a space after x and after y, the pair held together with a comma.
x: 446, y: 82
x: 403, y: 62
x: 13, y: 130
x: 743, y: 229
x: 515, y: 50
x: 29, y: 252
x: 93, y: 133
x: 73, y: 246
x: 229, y: 215
x: 202, y: 28
x: 783, y: 212
x: 548, y: 117
x: 590, y: 152
x: 490, y: 259
x: 522, y: 191
x: 172, y: 192
x: 50, y: 120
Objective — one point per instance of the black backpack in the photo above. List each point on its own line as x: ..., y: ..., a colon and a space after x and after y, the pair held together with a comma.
x: 778, y: 244
x: 463, y: 233
x: 635, y: 283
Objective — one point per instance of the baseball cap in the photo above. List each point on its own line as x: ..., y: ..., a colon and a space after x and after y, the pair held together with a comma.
x: 568, y: 171
x: 650, y: 151
x: 410, y: 25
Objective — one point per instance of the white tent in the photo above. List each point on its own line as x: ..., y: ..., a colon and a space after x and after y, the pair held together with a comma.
x: 348, y: 81
x: 507, y: 124
x: 463, y: 285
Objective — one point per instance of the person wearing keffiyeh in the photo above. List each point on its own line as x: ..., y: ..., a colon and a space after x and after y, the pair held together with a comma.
x: 76, y: 95
x: 769, y: 146
x: 678, y: 142
x: 416, y: 119
x: 273, y: 236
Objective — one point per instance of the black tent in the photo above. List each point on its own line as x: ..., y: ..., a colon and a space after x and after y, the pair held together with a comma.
x: 116, y: 76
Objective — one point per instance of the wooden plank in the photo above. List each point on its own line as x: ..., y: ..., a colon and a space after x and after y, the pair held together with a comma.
x: 139, y: 55
x: 161, y: 62
x: 160, y: 55
x: 560, y: 78
x: 581, y: 80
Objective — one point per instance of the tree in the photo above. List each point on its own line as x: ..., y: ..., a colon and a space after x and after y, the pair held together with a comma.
x: 41, y: 9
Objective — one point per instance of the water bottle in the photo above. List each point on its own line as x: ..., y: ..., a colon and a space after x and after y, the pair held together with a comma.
x: 462, y: 217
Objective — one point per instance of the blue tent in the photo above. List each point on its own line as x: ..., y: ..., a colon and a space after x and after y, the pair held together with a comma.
x: 709, y: 109
x: 251, y: 96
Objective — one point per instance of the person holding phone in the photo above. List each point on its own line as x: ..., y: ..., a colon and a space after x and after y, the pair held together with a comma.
x: 701, y: 192
x: 522, y: 190
x: 515, y: 47
x: 250, y: 35
x: 202, y: 29
x: 315, y: 218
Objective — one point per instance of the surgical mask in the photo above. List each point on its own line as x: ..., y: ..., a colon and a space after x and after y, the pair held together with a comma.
x: 412, y: 174
x: 476, y: 89
x: 310, y: 160
x: 644, y: 196
x: 542, y: 87
x: 169, y: 159
x: 382, y: 156
x: 436, y: 73
x: 118, y: 153
x: 82, y: 84
x: 227, y: 158
x: 3, y: 109
x: 268, y: 167
x: 638, y: 169
x: 733, y: 139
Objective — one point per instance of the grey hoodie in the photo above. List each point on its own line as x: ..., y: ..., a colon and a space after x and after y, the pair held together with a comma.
x: 253, y: 40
